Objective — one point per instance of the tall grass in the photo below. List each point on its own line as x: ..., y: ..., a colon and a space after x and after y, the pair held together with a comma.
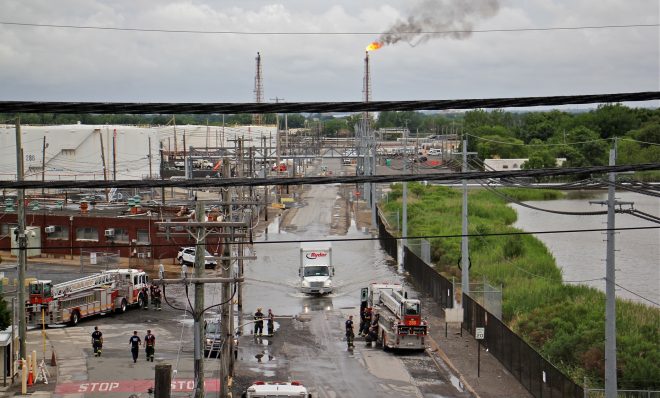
x: 565, y: 322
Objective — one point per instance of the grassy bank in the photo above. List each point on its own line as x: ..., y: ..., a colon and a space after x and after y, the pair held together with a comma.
x: 564, y: 322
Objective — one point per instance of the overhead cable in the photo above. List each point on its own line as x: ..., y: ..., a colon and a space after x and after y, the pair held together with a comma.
x: 308, y: 33
x: 314, y: 107
x: 288, y: 181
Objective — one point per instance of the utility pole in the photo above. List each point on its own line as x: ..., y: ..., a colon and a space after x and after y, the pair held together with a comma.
x: 105, y: 172
x: 43, y: 165
x: 175, y: 141
x: 114, y: 155
x: 149, y: 157
x: 610, y: 286
x: 200, y: 264
x: 611, y: 384
x: 465, y: 256
x: 404, y: 224
x: 199, y: 230
x: 225, y: 297
x: 465, y: 253
x: 22, y: 243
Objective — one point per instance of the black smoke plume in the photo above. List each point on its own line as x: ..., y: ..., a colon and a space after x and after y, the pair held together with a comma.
x: 431, y: 19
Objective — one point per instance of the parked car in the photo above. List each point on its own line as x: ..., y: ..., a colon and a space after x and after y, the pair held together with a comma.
x: 186, y: 256
x: 212, y: 338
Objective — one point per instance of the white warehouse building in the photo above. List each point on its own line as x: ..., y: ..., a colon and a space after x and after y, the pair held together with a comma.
x: 79, y: 152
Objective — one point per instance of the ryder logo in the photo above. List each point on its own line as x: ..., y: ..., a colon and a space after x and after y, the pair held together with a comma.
x: 315, y: 255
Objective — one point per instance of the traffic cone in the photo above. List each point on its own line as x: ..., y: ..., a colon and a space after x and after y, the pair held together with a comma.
x: 30, y: 379
x: 53, y: 361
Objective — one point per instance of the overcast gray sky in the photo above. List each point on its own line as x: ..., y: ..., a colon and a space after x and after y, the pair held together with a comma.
x: 60, y: 64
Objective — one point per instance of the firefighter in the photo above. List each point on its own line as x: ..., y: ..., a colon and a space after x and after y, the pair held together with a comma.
x: 270, y: 322
x: 145, y: 297
x: 366, y: 322
x: 155, y: 298
x: 350, y: 334
x: 135, y: 344
x: 258, y: 322
x: 150, y: 345
x: 97, y: 341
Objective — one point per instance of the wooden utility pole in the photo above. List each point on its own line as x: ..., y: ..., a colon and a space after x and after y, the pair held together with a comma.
x: 200, y: 264
x: 175, y: 144
x: 149, y: 158
x: 114, y: 155
x: 225, y: 297
x: 43, y: 165
x: 105, y: 174
x: 199, y: 230
x: 22, y: 244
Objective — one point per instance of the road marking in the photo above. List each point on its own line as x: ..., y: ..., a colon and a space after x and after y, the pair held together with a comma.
x: 114, y: 386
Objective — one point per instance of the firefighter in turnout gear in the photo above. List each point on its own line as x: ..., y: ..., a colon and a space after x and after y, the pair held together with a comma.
x: 270, y: 322
x: 150, y: 345
x: 258, y: 322
x: 155, y: 298
x: 97, y: 341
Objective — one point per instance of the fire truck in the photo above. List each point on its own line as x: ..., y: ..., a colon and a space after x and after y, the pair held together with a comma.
x: 400, y: 323
x: 97, y: 294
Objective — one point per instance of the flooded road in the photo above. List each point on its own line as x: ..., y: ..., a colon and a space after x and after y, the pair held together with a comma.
x: 311, y: 347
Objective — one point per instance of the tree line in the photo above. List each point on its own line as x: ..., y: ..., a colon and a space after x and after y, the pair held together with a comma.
x: 582, y: 138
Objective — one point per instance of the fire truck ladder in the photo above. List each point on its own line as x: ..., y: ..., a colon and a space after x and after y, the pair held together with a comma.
x: 81, y: 284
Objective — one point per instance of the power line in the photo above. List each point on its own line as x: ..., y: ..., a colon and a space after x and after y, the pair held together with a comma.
x: 284, y: 181
x: 277, y: 242
x: 638, y: 141
x: 303, y: 33
x: 537, y: 145
x: 638, y: 295
x: 314, y: 107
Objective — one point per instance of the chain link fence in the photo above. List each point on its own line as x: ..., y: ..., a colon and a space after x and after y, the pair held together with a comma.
x: 535, y: 373
x: 98, y: 260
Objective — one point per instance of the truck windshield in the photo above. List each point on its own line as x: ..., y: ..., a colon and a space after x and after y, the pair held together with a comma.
x: 35, y: 288
x: 411, y: 308
x: 316, y: 271
x: 213, y: 327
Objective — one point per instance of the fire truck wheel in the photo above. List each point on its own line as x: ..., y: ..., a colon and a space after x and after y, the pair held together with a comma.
x: 140, y: 301
x: 384, y: 341
x: 75, y: 317
x: 122, y: 307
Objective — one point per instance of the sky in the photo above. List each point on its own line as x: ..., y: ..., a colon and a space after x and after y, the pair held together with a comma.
x: 321, y: 58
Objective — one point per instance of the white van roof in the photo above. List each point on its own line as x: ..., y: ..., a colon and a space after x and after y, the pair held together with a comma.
x: 277, y: 389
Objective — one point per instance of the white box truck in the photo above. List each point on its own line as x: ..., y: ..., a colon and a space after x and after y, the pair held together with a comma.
x: 316, y: 270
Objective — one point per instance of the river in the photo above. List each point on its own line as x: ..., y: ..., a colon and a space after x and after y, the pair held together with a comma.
x: 581, y: 256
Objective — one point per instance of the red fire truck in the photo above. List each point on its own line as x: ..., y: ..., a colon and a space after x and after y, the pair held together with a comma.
x: 400, y: 324
x: 97, y: 294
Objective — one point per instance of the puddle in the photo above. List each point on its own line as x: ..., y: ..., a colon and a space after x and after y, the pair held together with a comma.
x: 456, y: 383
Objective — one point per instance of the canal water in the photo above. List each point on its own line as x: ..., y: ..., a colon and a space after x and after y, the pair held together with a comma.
x: 581, y: 256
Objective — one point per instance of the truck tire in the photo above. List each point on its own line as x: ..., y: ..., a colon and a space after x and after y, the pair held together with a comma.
x: 140, y: 301
x: 122, y: 306
x: 384, y: 341
x: 75, y: 318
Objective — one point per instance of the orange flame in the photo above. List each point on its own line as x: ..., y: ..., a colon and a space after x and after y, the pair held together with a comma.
x: 374, y: 46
